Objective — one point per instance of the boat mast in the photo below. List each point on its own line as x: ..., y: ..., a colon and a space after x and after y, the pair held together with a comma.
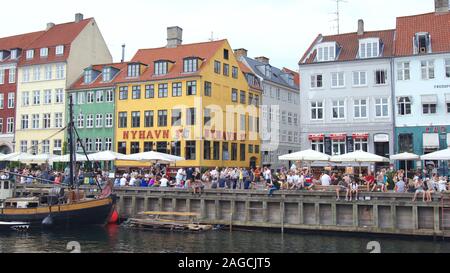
x: 71, y: 144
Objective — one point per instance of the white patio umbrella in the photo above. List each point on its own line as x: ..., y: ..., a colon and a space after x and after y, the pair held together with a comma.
x: 66, y: 158
x: 405, y: 157
x: 17, y: 157
x: 38, y: 159
x: 153, y: 157
x: 443, y: 155
x: 308, y: 156
x: 106, y: 156
x: 359, y: 157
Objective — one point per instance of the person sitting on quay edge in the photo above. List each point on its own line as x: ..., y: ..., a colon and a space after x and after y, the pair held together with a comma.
x: 400, y: 186
x: 354, y: 190
x: 274, y: 186
x: 343, y: 185
x: 419, y: 190
x: 369, y: 181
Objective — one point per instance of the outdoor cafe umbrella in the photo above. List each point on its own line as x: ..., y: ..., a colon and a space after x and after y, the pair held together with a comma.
x: 38, y: 159
x: 443, y: 155
x: 66, y: 158
x: 307, y: 156
x: 406, y: 157
x: 16, y: 157
x: 359, y: 157
x: 153, y: 157
x: 106, y: 156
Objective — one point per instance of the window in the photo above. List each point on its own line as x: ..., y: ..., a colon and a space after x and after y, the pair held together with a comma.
x: 404, y: 106
x: 338, y: 147
x: 190, y: 65
x: 226, y: 54
x: 162, y: 118
x: 1, y: 125
x: 295, y: 119
x: 360, y: 108
x: 234, y: 72
x: 289, y: 118
x: 107, y: 74
x: 242, y: 150
x: 405, y: 142
x: 123, y: 93
x: 13, y: 54
x: 122, y: 147
x: 60, y: 50
x: 339, y: 109
x: 163, y: 90
x: 317, y: 81
x: 207, y: 150
x: 318, y: 146
x: 191, y: 88
x: 148, y: 147
x: 225, y: 151
x: 99, y: 121
x: 26, y: 74
x: 133, y: 70
x: 191, y: 116
x: 81, y: 98
x: 234, y: 151
x: 10, y: 126
x: 326, y: 53
x: 148, y: 119
x: 59, y: 93
x: 108, y: 144
x: 58, y: 120
x: 25, y: 99
x: 90, y: 121
x: 217, y: 67
x: 2, y: 76
x: 46, y: 121
x: 2, y: 101
x: 90, y: 97
x: 243, y: 122
x: 24, y: 122
x: 161, y: 68
x: 422, y: 43
x: 216, y: 150
x: 226, y: 69
x: 381, y: 108
x: 403, y: 71
x: 37, y: 73
x: 60, y: 71
x: 369, y: 49
x: 429, y: 108
x: 98, y: 144
x: 35, y: 121
x: 361, y: 145
x: 36, y: 97
x: 57, y: 146
x: 317, y: 110
x: 250, y: 99
x: 23, y: 146
x: 109, y: 120
x: 191, y: 150
x: 448, y: 109
x: 149, y: 91
x: 11, y: 100
x: 46, y: 147
x: 88, y: 76
x: 447, y: 68
x: 208, y: 89
x: 80, y: 121
x: 360, y: 78
x: 427, y: 70
x: 243, y: 97
x: 48, y: 72
x: 123, y: 120
x: 30, y: 54
x: 136, y: 92
x: 207, y: 117
x: 99, y: 95
x: 176, y: 117
x: 34, y: 147
x: 161, y: 147
x: 176, y: 148
x: 234, y: 95
x: 177, y: 89
x: 337, y: 80
x: 12, y: 75
x: 109, y: 95
x: 283, y: 117
x: 381, y: 77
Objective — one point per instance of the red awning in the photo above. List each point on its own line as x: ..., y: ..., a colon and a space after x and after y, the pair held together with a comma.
x: 316, y: 137
x: 364, y: 136
x: 338, y: 136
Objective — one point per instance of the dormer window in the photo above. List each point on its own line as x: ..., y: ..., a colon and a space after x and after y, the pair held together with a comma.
x: 13, y: 54
x: 44, y: 52
x: 369, y: 48
x: 1, y: 55
x: 106, y: 74
x: 133, y: 70
x: 268, y: 71
x: 190, y: 65
x: 290, y: 79
x: 422, y: 43
x: 88, y: 76
x: 59, y: 50
x: 326, y: 52
x: 161, y: 67
x: 30, y: 54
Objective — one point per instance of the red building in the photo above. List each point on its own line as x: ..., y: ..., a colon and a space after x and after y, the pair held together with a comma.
x: 10, y: 55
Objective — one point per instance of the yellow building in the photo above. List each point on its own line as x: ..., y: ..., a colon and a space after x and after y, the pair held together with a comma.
x: 191, y: 100
x: 49, y: 65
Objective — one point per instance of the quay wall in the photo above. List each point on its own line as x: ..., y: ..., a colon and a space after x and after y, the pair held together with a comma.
x: 377, y: 213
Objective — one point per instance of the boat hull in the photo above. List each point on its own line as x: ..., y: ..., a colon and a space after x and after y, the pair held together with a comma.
x: 94, y: 212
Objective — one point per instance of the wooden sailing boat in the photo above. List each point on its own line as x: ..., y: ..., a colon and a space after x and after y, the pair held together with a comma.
x: 57, y: 209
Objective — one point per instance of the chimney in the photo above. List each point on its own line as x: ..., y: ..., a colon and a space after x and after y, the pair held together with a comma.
x: 241, y: 52
x: 50, y: 25
x: 263, y: 59
x: 360, y: 27
x: 174, y: 37
x: 123, y: 53
x: 78, y: 17
x: 441, y: 6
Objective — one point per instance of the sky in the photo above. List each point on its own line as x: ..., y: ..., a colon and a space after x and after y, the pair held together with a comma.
x: 281, y: 30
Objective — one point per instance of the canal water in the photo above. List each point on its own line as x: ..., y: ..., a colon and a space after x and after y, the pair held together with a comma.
x: 115, y: 239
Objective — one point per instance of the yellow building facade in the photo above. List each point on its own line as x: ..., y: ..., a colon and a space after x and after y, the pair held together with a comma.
x: 191, y: 101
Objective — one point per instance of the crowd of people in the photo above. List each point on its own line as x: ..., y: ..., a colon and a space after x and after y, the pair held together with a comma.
x: 422, y: 185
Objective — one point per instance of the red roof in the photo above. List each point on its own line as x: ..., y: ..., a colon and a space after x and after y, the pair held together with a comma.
x: 204, y: 51
x: 436, y: 24
x: 18, y: 41
x: 293, y: 73
x: 98, y: 82
x: 62, y: 34
x: 349, y: 44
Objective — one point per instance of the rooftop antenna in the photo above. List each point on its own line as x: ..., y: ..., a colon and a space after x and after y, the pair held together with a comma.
x: 123, y: 53
x: 338, y: 14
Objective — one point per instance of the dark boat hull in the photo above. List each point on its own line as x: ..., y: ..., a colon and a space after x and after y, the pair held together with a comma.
x: 95, y: 212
